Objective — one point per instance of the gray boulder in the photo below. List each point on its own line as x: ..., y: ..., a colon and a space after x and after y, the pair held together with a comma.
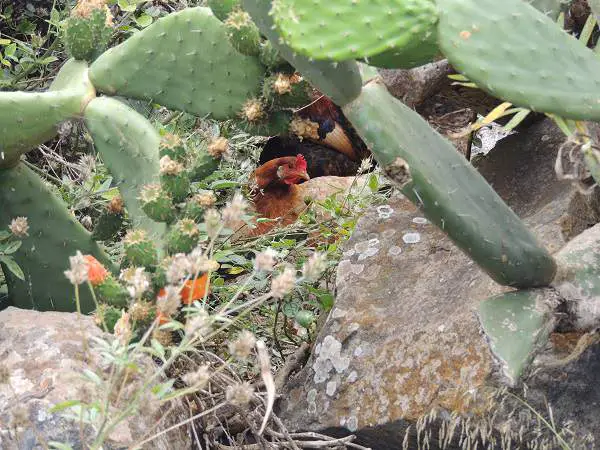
x: 41, y: 365
x: 401, y: 358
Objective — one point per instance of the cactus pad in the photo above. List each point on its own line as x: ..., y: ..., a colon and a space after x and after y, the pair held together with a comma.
x: 222, y: 8
x: 517, y: 53
x: 28, y: 119
x: 347, y: 29
x: 128, y: 144
x: 54, y: 235
x: 451, y: 193
x: 340, y: 81
x: 183, y: 61
x: 516, y: 324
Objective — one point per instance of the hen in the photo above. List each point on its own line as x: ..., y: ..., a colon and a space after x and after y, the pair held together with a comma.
x: 331, y: 128
x: 321, y: 160
x: 280, y: 188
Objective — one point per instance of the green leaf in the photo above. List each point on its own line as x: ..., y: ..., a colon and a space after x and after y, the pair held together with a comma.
x: 517, y: 119
x: 12, y: 247
x: 48, y: 60
x: 10, y: 50
x: 12, y: 266
x: 158, y: 347
x: 59, y: 446
x: 161, y: 389
x: 305, y: 318
x: 5, y: 41
x: 64, y: 405
x: 326, y: 300
x: 54, y: 16
x: 4, y: 235
x: 373, y: 182
x: 223, y: 184
x: 92, y: 376
x: 125, y: 5
x: 144, y: 20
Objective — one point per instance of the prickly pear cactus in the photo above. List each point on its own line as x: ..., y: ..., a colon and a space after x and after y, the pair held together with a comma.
x: 88, y: 30
x: 243, y: 33
x: 183, y: 61
x: 340, y: 81
x: 28, y: 119
x: 343, y: 30
x: 128, y: 144
x: 54, y: 234
x: 517, y: 53
x: 222, y: 8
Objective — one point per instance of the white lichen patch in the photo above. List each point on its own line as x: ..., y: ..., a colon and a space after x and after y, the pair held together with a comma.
x: 371, y: 251
x: 411, y: 238
x: 420, y: 220
x: 387, y: 234
x: 330, y: 388
x: 349, y: 253
x: 352, y: 423
x: 394, y: 251
x: 329, y: 358
x: 385, y: 211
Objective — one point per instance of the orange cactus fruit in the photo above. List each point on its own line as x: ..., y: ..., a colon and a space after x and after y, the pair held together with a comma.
x: 97, y: 273
x: 195, y: 290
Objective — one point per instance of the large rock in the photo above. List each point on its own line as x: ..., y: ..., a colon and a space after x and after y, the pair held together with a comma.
x: 42, y: 355
x: 403, y: 343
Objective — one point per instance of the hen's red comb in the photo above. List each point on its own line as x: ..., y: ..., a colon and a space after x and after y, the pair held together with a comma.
x: 300, y: 162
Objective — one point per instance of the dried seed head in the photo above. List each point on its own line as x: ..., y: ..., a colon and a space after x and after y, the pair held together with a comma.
x: 168, y: 301
x: 198, y: 379
x: 243, y: 345
x: 116, y: 205
x: 239, y: 394
x: 212, y: 221
x: 200, y: 263
x: 205, y: 198
x: 164, y: 337
x: 218, y: 147
x: 84, y: 8
x: 283, y: 283
x: 282, y: 84
x: 169, y: 166
x: 170, y: 141
x: 137, y: 281
x: 134, y: 237
x: 305, y: 128
x: 315, y: 266
x: 78, y: 273
x: 234, y: 210
x: 253, y: 110
x: 140, y: 311
x: 19, y: 227
x: 188, y: 227
x: 198, y: 325
x: 151, y: 193
x: 179, y: 268
x: 265, y: 260
x: 123, y: 328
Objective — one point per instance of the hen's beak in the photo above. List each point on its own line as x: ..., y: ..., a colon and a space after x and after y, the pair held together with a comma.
x: 302, y: 175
